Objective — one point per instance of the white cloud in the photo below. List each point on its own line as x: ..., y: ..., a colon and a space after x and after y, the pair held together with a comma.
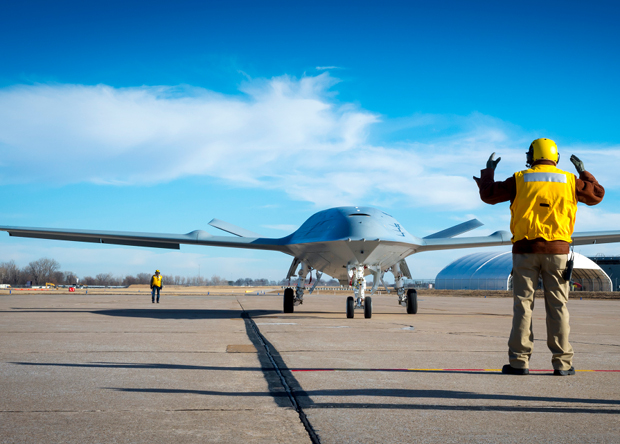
x: 283, y: 133
x: 596, y: 219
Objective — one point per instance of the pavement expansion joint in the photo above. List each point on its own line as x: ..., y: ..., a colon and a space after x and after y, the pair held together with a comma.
x: 290, y: 393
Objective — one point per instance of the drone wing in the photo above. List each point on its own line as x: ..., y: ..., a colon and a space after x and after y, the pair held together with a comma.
x: 154, y: 240
x: 448, y: 243
x: 596, y: 237
x: 503, y: 238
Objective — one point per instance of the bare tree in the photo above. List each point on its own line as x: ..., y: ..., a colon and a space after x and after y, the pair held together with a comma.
x: 130, y: 280
x: 216, y: 280
x: 58, y: 277
x: 70, y: 278
x: 10, y: 273
x: 143, y: 278
x: 104, y: 279
x: 42, y: 270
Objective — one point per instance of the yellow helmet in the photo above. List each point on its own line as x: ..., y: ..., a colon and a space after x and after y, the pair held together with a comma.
x: 542, y: 149
x: 156, y: 271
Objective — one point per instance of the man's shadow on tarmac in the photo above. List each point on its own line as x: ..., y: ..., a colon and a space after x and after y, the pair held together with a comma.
x: 308, y: 403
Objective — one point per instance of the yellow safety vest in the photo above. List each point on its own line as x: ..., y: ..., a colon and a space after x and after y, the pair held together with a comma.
x: 156, y: 280
x: 545, y: 205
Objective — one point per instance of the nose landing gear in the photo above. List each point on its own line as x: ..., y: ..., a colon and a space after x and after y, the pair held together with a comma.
x: 360, y: 301
x: 366, y: 304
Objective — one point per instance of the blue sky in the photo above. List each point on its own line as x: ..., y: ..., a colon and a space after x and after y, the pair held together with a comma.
x: 158, y: 116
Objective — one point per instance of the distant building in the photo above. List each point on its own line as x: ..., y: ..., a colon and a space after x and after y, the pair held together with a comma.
x: 611, y: 266
x: 493, y: 271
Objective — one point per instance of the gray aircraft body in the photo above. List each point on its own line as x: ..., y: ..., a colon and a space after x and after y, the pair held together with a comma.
x: 347, y: 243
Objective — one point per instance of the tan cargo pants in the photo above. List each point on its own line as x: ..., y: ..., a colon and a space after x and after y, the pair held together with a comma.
x: 526, y: 269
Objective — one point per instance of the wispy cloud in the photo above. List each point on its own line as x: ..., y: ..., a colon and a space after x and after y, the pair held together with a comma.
x: 283, y: 133
x: 323, y: 68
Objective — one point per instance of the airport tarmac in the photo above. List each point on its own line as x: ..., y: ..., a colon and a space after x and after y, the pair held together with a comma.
x: 234, y: 368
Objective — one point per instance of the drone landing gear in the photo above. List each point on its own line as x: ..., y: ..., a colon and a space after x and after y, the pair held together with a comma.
x: 296, y: 297
x: 412, y: 301
x: 350, y: 307
x: 360, y: 301
x: 406, y: 298
x: 289, y: 301
x: 409, y: 300
x: 366, y: 304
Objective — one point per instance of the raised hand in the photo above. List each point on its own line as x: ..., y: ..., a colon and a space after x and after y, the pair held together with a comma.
x: 491, y: 163
x: 578, y: 164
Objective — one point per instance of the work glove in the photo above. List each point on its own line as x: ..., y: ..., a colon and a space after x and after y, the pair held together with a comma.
x: 578, y: 164
x: 491, y: 163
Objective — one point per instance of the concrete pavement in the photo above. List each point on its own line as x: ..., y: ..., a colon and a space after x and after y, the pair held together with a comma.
x: 234, y: 368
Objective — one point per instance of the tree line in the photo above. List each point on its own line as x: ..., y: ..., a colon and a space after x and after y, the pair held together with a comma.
x: 46, y: 270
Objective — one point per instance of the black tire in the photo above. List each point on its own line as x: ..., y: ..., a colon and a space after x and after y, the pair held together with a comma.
x: 368, y: 307
x: 350, y: 307
x: 289, y: 301
x: 412, y: 301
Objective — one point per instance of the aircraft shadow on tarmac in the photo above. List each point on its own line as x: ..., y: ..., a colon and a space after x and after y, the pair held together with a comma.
x: 181, y: 314
x: 165, y: 313
x: 158, y: 313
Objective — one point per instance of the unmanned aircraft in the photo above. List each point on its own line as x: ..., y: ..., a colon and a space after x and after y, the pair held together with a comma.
x: 347, y: 243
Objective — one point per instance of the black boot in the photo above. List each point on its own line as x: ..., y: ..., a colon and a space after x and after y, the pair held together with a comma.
x: 510, y: 370
x: 570, y: 371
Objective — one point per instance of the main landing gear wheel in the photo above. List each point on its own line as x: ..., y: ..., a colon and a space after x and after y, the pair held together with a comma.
x: 289, y: 301
x: 412, y: 301
x: 350, y: 307
x: 368, y: 307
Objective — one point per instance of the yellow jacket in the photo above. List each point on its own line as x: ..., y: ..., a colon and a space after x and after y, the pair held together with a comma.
x: 545, y: 205
x: 156, y: 281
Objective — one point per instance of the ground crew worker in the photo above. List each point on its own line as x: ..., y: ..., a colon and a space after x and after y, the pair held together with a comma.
x: 543, y: 204
x: 156, y: 282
